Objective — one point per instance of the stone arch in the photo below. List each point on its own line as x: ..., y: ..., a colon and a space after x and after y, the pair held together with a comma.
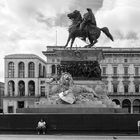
x: 21, y: 70
x: 136, y: 106
x: 11, y: 69
x: 31, y: 70
x: 126, y: 104
x: 21, y: 88
x: 11, y: 88
x: 116, y: 101
x: 31, y: 88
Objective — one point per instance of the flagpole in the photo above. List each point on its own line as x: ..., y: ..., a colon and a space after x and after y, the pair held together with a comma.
x: 56, y: 37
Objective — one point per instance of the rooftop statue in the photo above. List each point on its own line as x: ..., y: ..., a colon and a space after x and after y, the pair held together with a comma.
x: 85, y: 27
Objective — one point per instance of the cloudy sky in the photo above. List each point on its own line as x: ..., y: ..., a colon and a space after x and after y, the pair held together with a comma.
x: 28, y: 26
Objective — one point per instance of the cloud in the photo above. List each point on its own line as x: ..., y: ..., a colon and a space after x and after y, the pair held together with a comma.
x: 122, y: 18
x: 81, y: 5
x: 28, y: 26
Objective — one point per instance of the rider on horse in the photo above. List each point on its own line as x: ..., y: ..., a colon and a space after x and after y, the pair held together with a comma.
x: 88, y: 22
x: 85, y: 27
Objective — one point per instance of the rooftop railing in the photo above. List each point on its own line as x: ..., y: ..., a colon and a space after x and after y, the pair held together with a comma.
x: 120, y: 76
x: 123, y: 93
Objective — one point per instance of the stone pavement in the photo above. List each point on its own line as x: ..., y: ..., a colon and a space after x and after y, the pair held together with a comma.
x: 66, y: 137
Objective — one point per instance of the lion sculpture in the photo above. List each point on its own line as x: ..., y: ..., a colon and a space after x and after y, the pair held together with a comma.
x: 66, y: 92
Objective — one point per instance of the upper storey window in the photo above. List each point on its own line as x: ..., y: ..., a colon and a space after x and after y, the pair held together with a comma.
x: 125, y: 60
x: 136, y: 71
x: 115, y: 70
x: 44, y: 72
x: 21, y: 71
x: 104, y: 70
x: 53, y: 69
x: 125, y: 70
x: 11, y: 70
x: 31, y: 70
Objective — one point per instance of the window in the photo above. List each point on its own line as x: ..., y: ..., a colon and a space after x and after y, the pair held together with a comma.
x: 137, y: 88
x: 44, y: 72
x: 11, y: 70
x: 136, y: 71
x: 10, y: 109
x: 125, y: 88
x: 125, y: 60
x: 115, y: 88
x: 53, y: 69
x: 11, y: 88
x: 125, y: 70
x: 104, y: 70
x: 31, y: 88
x: 21, y: 88
x: 136, y: 106
x: 1, y: 91
x: 21, y: 71
x: 115, y: 70
x: 127, y: 105
x: 116, y: 101
x: 31, y: 70
x: 42, y: 82
x: 20, y: 104
x: 42, y: 90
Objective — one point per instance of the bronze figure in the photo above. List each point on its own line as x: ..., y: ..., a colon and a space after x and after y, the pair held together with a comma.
x: 85, y: 27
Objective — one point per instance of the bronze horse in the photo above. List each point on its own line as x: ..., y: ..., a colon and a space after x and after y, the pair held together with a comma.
x: 90, y: 32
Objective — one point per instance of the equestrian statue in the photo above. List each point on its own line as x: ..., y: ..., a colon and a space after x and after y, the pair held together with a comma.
x: 84, y: 28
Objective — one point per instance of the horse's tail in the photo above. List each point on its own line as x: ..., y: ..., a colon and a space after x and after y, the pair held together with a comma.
x: 107, y: 33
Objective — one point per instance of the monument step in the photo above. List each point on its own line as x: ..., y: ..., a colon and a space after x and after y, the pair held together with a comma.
x: 71, y: 109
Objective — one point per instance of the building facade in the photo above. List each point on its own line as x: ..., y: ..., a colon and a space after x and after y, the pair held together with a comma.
x: 120, y: 72
x: 1, y: 95
x: 26, y: 77
x: 23, y: 73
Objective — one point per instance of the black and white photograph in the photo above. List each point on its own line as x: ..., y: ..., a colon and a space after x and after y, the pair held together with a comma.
x: 70, y: 69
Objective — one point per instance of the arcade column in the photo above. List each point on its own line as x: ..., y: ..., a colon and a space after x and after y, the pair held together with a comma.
x: 131, y: 108
x: 16, y: 88
x: 26, y: 88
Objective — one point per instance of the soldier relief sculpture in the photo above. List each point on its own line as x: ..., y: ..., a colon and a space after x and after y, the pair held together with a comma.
x: 85, y: 28
x: 81, y: 70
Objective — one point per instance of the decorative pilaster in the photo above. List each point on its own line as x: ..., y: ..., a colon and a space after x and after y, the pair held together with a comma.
x: 131, y: 108
x: 37, y: 89
x: 6, y: 88
x: 26, y: 89
x: 16, y: 88
x: 26, y: 70
x: 16, y: 69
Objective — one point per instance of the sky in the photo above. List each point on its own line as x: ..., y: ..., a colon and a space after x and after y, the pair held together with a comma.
x: 28, y: 26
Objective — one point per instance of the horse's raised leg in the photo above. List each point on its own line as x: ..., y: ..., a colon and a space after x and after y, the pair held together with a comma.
x: 72, y: 41
x: 93, y: 41
x: 68, y: 40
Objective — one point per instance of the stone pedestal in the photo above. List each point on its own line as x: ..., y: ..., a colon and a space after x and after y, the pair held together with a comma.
x: 82, y: 64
